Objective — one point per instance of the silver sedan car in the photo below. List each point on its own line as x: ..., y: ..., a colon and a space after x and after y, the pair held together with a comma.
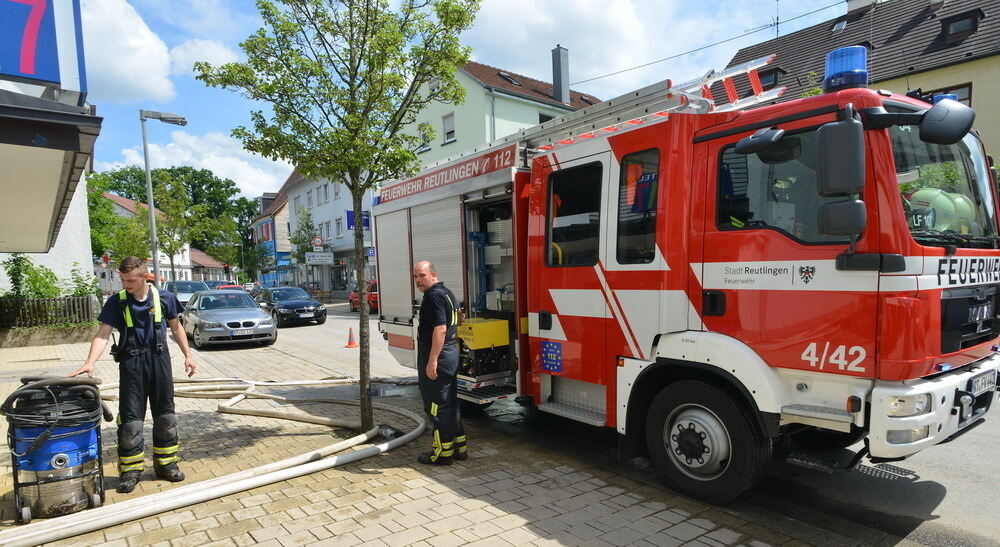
x: 226, y: 317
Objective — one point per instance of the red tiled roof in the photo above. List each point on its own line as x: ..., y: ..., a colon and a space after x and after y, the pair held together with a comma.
x: 530, y: 88
x: 128, y: 204
x: 201, y: 258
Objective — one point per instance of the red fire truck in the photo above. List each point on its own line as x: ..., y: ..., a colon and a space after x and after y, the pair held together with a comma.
x: 715, y: 282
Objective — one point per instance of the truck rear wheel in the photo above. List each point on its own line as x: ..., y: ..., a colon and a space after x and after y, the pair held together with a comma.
x: 705, y: 444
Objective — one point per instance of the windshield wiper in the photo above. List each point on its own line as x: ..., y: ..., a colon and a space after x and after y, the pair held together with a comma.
x: 934, y: 235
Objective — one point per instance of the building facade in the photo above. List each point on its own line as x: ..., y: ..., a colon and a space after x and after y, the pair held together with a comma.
x: 940, y: 46
x: 271, y: 233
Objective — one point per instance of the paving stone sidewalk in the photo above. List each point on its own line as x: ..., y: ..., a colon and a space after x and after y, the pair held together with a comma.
x: 509, y: 492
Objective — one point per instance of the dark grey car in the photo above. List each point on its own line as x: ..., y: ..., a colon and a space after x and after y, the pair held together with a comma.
x: 226, y: 317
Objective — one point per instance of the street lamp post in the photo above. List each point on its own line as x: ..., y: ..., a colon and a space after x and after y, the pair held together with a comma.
x: 164, y: 117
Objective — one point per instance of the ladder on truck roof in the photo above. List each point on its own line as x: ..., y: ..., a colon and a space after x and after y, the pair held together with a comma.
x: 654, y: 101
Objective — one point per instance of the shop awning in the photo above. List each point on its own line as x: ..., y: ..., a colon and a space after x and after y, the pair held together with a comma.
x: 44, y: 148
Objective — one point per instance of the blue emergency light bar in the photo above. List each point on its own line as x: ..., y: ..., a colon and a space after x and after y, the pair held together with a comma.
x: 943, y: 96
x: 845, y: 68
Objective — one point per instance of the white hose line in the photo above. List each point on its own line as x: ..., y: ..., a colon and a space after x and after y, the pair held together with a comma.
x: 103, y: 517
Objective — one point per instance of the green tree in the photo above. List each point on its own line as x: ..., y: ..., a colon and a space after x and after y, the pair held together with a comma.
x: 16, y: 269
x: 128, y: 182
x: 244, y: 212
x: 131, y: 237
x: 812, y: 78
x: 81, y: 283
x: 343, y: 79
x: 301, y: 239
x: 103, y: 220
x: 180, y: 221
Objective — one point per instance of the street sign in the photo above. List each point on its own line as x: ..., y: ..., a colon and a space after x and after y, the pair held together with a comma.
x: 370, y: 251
x: 317, y: 249
x: 319, y: 259
x: 366, y: 220
x: 317, y: 241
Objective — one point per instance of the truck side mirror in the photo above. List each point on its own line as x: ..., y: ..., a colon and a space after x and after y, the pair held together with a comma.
x: 842, y: 218
x: 841, y: 166
x: 947, y: 122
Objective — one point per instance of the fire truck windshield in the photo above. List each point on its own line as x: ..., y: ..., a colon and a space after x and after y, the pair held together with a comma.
x: 945, y: 190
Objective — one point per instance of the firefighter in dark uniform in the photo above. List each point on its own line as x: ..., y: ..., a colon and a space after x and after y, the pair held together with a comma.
x: 437, y: 366
x: 141, y: 314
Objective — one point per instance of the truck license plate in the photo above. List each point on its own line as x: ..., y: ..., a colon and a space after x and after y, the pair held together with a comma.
x: 242, y: 332
x: 982, y: 383
x: 305, y: 315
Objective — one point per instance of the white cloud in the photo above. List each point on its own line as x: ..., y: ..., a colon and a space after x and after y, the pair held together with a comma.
x: 126, y: 61
x: 222, y: 20
x: 183, y: 56
x: 219, y: 153
x: 607, y: 36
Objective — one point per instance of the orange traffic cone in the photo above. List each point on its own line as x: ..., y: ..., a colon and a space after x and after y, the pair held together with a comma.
x: 351, y: 342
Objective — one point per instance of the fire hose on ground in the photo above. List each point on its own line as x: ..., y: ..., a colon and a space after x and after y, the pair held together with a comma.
x: 235, y: 390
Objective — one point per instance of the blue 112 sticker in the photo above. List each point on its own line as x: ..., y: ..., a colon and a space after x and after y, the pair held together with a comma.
x: 552, y: 356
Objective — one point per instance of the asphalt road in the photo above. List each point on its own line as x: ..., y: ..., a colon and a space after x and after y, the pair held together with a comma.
x: 946, y: 495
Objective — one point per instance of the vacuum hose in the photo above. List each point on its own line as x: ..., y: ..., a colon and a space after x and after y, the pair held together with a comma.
x: 235, y: 390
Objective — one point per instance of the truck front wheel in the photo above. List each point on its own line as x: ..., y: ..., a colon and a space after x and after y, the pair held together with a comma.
x: 705, y: 444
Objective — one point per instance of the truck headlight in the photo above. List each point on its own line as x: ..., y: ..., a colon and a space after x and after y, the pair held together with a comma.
x: 902, y: 406
x: 903, y: 436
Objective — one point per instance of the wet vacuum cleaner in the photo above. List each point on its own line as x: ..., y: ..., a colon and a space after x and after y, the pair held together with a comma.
x: 54, y: 435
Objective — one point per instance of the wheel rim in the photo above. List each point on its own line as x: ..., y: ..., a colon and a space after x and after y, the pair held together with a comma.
x: 198, y: 342
x: 697, y: 442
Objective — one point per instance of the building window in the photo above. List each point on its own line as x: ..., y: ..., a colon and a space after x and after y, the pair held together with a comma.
x: 326, y: 192
x: 336, y: 190
x: 326, y: 226
x: 309, y: 199
x: 962, y: 92
x: 542, y: 118
x: 769, y: 78
x: 574, y: 216
x: 296, y: 204
x: 425, y: 142
x: 637, y: 191
x: 434, y: 85
x: 448, y: 124
x: 340, y: 227
x: 961, y: 26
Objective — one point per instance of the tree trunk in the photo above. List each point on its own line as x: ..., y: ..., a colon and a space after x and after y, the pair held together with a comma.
x: 361, y: 271
x: 173, y: 271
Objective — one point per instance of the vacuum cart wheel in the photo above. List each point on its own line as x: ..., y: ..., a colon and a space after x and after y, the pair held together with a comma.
x: 25, y: 515
x: 96, y: 500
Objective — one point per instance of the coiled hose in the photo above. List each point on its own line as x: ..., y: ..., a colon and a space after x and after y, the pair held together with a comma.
x: 64, y: 415
x: 235, y: 390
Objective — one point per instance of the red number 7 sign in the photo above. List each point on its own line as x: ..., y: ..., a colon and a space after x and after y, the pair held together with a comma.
x: 29, y: 42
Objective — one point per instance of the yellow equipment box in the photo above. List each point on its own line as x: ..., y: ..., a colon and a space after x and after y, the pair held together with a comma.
x: 481, y: 333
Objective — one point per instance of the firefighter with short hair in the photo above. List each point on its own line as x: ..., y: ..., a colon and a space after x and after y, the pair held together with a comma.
x: 141, y: 314
x: 437, y: 367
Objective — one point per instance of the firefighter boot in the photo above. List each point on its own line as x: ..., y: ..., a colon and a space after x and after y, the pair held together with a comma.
x: 128, y: 480
x: 431, y: 458
x: 170, y: 472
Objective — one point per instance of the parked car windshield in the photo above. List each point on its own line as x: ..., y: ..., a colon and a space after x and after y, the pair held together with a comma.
x: 227, y: 300
x: 945, y: 189
x: 186, y: 286
x: 290, y: 293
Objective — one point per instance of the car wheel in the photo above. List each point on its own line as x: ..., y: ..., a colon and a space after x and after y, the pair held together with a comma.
x: 704, y: 442
x: 321, y: 320
x: 355, y: 307
x: 196, y: 337
x: 278, y: 323
x: 272, y: 340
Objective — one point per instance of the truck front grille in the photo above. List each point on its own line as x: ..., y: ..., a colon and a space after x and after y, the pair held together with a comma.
x: 968, y: 317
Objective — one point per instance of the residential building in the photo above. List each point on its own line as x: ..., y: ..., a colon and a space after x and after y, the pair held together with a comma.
x: 941, y: 46
x: 497, y: 103
x: 205, y: 267
x: 331, y: 206
x: 271, y: 230
x: 128, y: 208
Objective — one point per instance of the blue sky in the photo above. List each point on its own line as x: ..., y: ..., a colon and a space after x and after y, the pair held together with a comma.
x: 139, y: 55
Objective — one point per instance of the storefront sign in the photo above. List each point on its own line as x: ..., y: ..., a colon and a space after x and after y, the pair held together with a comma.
x: 41, y: 42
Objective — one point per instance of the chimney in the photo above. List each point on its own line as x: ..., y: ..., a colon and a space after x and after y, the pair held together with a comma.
x: 560, y: 74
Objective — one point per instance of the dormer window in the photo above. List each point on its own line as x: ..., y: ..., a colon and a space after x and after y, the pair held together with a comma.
x: 840, y: 26
x: 769, y: 78
x: 509, y: 78
x: 961, y: 26
x: 434, y: 85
